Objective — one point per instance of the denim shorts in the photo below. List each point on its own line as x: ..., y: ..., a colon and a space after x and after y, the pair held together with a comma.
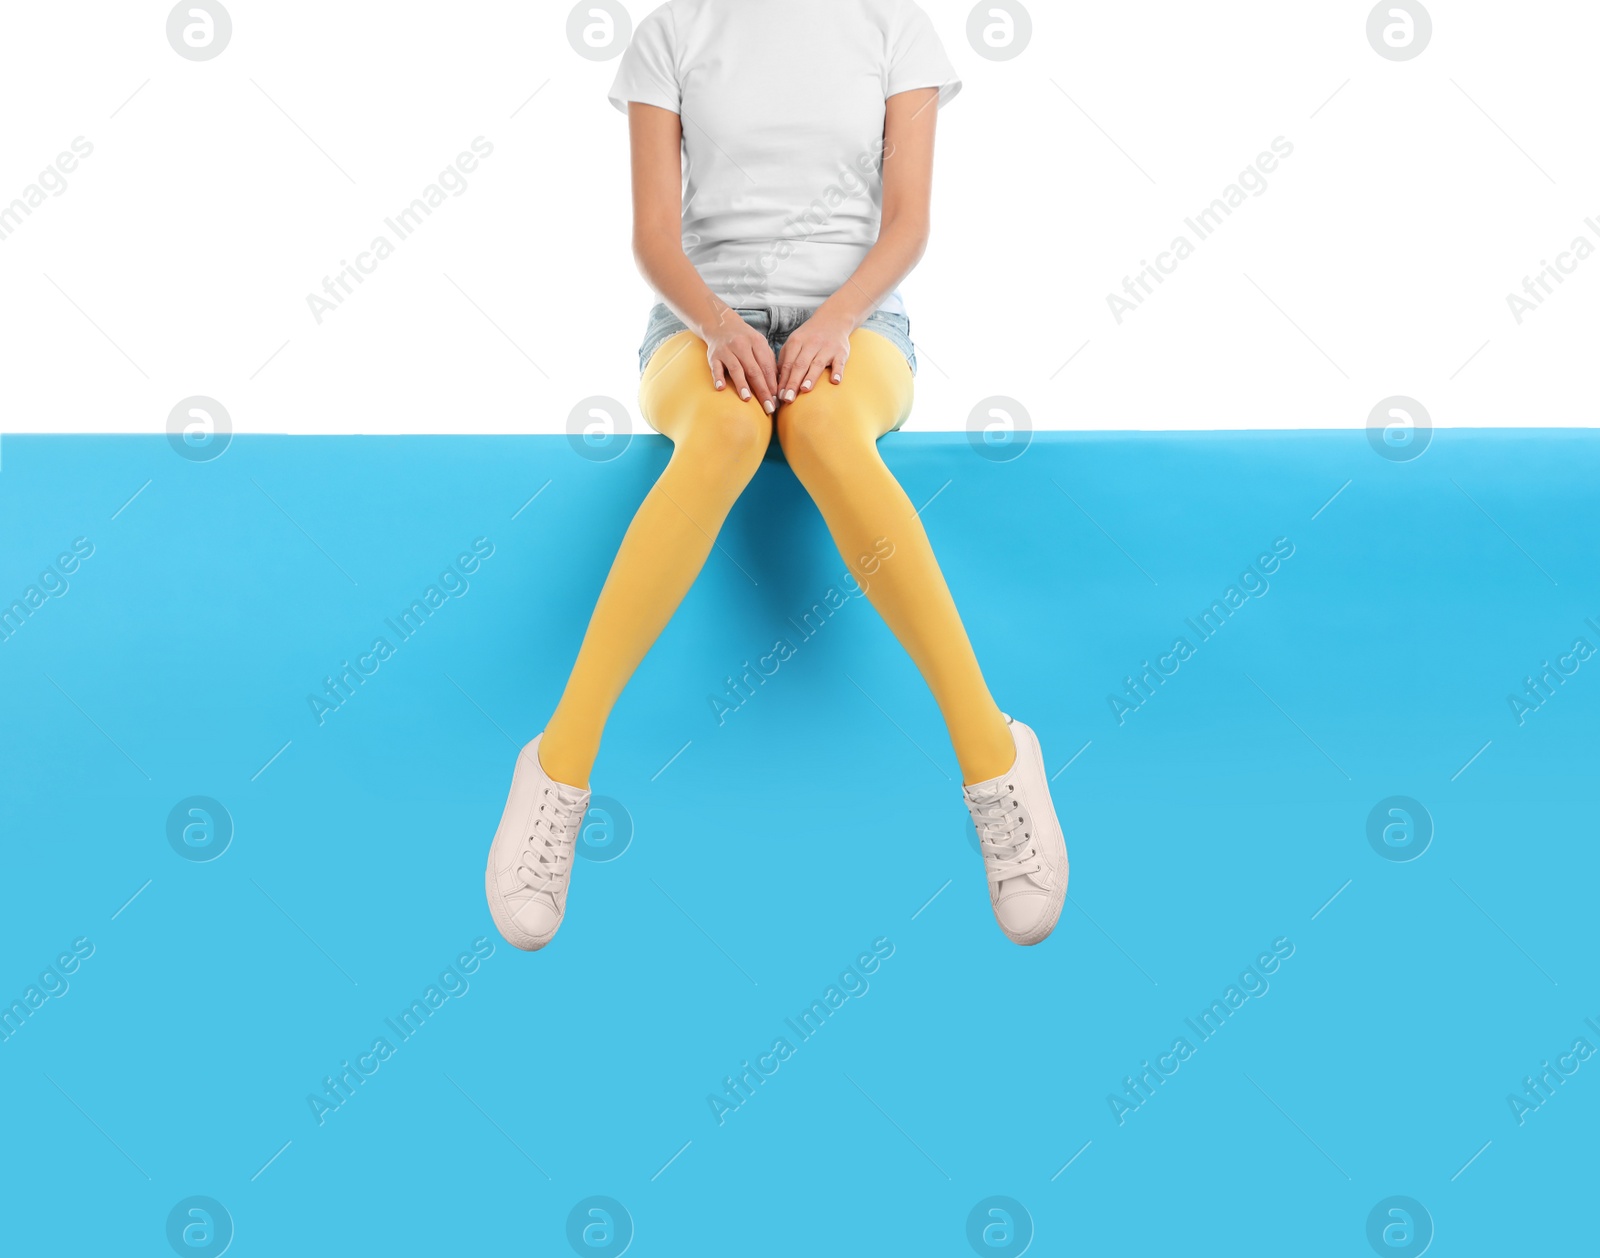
x: 776, y: 323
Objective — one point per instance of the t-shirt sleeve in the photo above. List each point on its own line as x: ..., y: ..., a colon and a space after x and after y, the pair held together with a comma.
x: 916, y: 57
x: 649, y: 68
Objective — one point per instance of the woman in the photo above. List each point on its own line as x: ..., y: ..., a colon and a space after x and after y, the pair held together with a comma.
x: 775, y: 245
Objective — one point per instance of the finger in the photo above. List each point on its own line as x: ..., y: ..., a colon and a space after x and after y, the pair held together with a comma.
x: 736, y: 374
x: 769, y: 369
x: 839, y: 360
x: 787, y: 380
x: 719, y: 376
x: 755, y: 378
x: 785, y: 357
x: 809, y: 370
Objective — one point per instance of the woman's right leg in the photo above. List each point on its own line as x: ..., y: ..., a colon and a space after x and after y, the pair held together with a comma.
x: 718, y: 443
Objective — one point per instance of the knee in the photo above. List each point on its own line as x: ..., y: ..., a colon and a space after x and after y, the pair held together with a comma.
x: 725, y: 438
x: 820, y: 434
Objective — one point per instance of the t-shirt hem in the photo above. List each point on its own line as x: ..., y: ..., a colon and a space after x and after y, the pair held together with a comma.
x: 660, y: 102
x: 893, y: 303
x: 949, y: 89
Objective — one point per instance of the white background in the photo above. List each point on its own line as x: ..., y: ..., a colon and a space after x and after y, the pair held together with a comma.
x: 1378, y: 262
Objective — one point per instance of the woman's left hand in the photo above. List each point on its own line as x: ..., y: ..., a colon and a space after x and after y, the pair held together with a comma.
x: 820, y: 344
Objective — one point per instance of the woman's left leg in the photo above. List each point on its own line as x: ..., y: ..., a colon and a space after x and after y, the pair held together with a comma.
x: 830, y: 438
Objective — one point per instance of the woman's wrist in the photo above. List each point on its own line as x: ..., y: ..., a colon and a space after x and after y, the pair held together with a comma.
x: 716, y: 316
x: 846, y: 311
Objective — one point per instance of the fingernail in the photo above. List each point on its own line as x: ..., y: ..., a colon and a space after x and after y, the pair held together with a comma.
x: 744, y: 394
x: 805, y: 384
x: 770, y: 407
x: 836, y: 379
x: 789, y: 396
x: 718, y: 384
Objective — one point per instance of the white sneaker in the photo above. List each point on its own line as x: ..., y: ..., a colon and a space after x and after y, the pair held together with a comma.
x: 1023, y: 849
x: 530, y: 861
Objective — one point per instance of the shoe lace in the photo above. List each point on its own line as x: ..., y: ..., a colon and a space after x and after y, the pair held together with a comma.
x: 545, y: 861
x: 1005, y: 834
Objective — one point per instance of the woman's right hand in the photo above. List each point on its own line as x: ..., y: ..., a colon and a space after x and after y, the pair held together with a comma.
x: 740, y: 355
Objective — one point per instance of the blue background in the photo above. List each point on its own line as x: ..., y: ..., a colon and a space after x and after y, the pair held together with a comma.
x: 824, y: 814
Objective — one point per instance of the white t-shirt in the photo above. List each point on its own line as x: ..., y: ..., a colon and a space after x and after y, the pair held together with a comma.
x: 782, y: 108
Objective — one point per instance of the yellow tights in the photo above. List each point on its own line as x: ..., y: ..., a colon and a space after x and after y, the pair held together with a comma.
x: 829, y: 437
